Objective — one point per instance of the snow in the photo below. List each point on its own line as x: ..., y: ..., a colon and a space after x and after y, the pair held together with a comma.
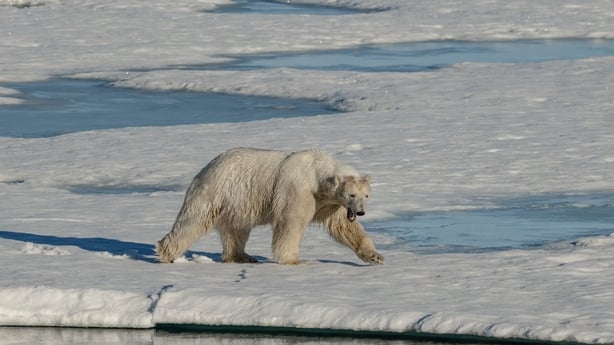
x: 471, y: 135
x: 5, y: 96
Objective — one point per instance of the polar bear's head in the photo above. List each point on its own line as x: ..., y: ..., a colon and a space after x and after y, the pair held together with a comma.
x: 352, y: 192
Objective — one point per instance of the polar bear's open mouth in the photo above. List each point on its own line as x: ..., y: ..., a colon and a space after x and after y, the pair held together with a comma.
x: 351, y: 215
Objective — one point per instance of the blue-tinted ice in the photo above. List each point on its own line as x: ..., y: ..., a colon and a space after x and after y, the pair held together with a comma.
x: 426, y: 56
x: 286, y: 8
x: 60, y: 106
x: 519, y: 223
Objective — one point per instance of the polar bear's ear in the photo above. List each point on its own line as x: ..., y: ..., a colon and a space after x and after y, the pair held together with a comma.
x: 333, y: 182
x: 367, y: 178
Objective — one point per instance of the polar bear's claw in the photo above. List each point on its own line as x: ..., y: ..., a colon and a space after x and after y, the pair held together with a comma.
x: 374, y: 258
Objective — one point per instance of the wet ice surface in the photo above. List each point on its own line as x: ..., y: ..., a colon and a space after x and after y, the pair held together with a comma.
x: 424, y: 56
x: 284, y: 8
x: 59, y: 106
x: 520, y: 223
x: 527, y: 222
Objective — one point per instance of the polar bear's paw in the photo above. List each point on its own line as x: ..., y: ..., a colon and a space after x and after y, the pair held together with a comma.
x: 242, y: 258
x: 372, y: 257
x: 367, y: 253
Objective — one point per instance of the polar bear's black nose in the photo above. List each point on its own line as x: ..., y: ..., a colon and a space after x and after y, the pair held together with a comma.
x: 361, y: 213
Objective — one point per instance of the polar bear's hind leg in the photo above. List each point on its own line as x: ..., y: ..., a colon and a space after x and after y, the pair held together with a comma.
x: 193, y: 221
x: 233, y: 243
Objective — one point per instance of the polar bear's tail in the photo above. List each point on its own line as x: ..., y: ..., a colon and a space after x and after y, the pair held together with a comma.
x: 193, y: 221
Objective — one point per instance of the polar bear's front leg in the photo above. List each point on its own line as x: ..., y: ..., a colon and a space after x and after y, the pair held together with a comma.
x: 353, y: 235
x: 287, y: 238
x: 367, y: 253
x: 290, y: 221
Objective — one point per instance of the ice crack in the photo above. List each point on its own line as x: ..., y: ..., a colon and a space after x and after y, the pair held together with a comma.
x: 418, y: 324
x: 155, y: 297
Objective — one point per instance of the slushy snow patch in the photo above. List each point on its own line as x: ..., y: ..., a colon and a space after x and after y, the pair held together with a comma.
x: 31, y: 248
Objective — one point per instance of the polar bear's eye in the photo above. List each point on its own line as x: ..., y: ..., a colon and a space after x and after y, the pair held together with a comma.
x: 367, y: 196
x: 352, y: 195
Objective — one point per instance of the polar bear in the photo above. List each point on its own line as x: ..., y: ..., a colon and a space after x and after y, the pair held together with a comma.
x: 245, y: 187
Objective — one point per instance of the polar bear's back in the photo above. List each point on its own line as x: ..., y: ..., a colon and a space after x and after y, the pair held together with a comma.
x: 236, y: 163
x: 244, y: 165
x: 240, y: 183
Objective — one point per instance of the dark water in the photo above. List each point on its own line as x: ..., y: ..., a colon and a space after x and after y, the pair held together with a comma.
x: 519, y: 223
x: 93, y: 336
x: 59, y: 106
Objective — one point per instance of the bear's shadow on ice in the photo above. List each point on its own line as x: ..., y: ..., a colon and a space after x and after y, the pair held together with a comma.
x: 133, y: 250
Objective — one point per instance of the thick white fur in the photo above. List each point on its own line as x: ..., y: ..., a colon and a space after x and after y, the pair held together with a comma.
x: 245, y: 187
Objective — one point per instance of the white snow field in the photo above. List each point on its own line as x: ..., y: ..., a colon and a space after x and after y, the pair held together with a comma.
x: 463, y: 137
